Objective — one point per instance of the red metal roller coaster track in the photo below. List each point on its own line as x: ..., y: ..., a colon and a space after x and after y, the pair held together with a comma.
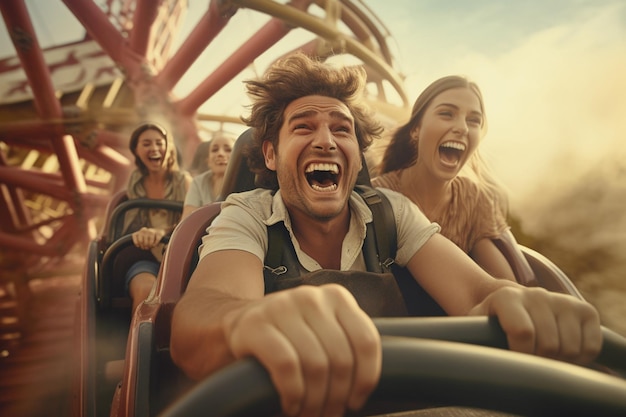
x: 67, y: 111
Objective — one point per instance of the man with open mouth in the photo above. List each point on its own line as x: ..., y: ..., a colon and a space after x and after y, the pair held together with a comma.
x: 321, y: 349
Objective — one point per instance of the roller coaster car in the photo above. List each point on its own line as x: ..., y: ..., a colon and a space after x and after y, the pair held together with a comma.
x: 103, y: 312
x: 426, y: 361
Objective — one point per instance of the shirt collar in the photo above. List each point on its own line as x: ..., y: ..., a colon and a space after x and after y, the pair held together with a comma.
x: 279, y: 212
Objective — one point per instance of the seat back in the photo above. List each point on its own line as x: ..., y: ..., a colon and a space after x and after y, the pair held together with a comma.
x: 116, y: 199
x: 181, y: 256
x: 532, y: 269
x: 507, y: 244
x: 238, y: 177
x: 547, y: 274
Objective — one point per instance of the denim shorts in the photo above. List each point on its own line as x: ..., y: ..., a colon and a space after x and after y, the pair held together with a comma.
x: 138, y: 267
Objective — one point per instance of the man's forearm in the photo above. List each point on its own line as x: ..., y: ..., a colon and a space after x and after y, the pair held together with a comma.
x: 198, y: 343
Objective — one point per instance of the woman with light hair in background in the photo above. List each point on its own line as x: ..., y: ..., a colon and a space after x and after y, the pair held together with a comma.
x: 433, y: 159
x: 206, y: 187
x: 199, y: 163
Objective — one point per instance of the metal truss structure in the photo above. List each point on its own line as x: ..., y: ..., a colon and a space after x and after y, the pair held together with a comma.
x: 66, y: 112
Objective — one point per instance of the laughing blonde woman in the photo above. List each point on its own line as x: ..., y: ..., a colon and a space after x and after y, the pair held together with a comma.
x: 433, y: 159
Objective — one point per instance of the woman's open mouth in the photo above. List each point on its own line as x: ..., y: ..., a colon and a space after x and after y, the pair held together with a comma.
x: 154, y: 158
x: 451, y: 152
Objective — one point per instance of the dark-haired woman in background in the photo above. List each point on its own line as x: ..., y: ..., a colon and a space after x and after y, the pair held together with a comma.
x: 157, y: 176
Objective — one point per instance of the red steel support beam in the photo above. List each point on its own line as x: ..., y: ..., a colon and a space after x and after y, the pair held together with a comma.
x: 101, y: 30
x: 24, y: 39
x: 28, y: 245
x: 31, y: 56
x: 268, y: 35
x: 143, y: 18
x: 106, y: 158
x: 209, y: 26
x: 30, y: 181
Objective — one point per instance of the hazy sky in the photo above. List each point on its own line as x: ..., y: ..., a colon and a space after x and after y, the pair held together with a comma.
x: 553, y: 73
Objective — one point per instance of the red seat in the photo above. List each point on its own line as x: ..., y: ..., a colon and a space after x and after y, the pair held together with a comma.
x: 151, y: 380
x: 533, y: 269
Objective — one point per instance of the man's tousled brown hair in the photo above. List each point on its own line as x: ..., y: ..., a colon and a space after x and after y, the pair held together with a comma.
x: 294, y: 77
